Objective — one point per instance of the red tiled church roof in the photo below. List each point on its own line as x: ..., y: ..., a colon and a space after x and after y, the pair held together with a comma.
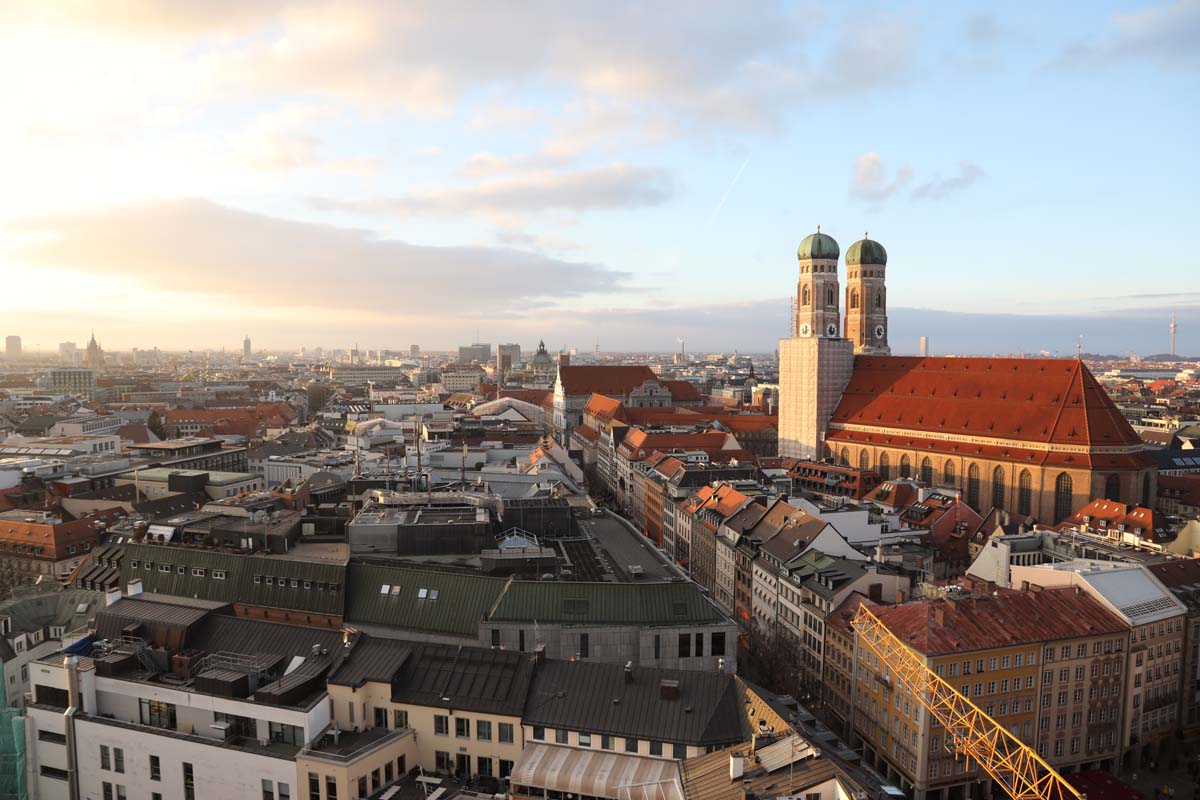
x: 1036, y: 401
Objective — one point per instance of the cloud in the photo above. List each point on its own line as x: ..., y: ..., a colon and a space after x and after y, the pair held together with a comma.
x: 870, y: 182
x: 196, y: 246
x: 614, y: 186
x: 939, y: 187
x: 285, y: 139
x: 1165, y: 34
x: 716, y: 67
x: 982, y: 29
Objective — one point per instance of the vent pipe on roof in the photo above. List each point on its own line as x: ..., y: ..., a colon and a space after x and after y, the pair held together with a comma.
x: 629, y: 672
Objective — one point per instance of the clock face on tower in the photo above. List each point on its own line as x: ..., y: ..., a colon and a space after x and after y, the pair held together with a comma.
x: 879, y: 331
x: 831, y: 330
x: 805, y: 330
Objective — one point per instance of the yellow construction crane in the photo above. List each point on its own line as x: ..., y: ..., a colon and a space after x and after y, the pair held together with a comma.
x: 1009, y: 761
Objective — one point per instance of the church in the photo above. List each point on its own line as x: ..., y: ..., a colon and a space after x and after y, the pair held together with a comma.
x: 1034, y: 436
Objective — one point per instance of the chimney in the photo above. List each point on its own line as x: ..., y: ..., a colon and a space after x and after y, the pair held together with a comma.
x: 668, y: 690
x: 539, y: 654
x: 134, y: 587
x: 1035, y: 588
x: 875, y: 592
x: 737, y: 766
x: 629, y: 672
x: 1024, y: 586
x: 111, y: 596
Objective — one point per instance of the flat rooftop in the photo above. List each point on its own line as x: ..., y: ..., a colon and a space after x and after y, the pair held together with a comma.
x: 162, y: 474
x: 173, y: 444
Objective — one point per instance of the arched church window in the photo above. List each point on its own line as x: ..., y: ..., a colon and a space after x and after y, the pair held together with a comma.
x: 1112, y: 488
x: 864, y: 459
x: 885, y: 467
x: 905, y: 466
x: 973, y: 486
x: 845, y: 459
x: 804, y: 297
x: 998, y: 488
x: 1025, y: 493
x: 1063, y: 491
x: 854, y: 298
x: 879, y: 299
x: 927, y: 470
x: 829, y: 299
x: 948, y: 476
x: 1146, y: 490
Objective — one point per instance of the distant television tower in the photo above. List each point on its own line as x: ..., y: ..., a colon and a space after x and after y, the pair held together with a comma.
x: 1172, y: 333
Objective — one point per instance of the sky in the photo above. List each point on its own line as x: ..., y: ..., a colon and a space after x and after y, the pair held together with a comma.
x: 179, y: 174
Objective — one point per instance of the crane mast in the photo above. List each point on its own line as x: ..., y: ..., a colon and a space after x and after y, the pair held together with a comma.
x: 1014, y: 765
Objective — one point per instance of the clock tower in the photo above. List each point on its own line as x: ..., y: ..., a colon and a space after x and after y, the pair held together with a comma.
x: 866, y: 298
x: 816, y: 362
x: 817, y: 294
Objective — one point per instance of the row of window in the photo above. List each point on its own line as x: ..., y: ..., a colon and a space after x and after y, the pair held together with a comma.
x: 379, y: 777
x: 462, y: 729
x: 113, y: 760
x: 607, y: 742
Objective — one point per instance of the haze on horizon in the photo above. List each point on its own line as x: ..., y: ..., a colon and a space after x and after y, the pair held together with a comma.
x: 178, y: 174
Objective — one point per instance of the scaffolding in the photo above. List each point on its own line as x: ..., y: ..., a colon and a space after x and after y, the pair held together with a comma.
x: 12, y: 749
x: 1015, y: 766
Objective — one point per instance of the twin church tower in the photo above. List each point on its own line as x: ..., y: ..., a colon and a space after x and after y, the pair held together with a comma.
x: 816, y: 363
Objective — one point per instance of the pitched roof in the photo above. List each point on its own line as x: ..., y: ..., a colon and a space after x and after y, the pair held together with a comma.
x: 596, y: 697
x: 245, y: 578
x: 684, y: 391
x: 1039, y: 402
x: 464, y: 678
x: 1007, y: 617
x: 605, y: 604
x: 616, y: 381
x: 419, y: 599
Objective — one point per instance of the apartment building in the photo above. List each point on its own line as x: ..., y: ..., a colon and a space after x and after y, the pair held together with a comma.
x: 1156, y: 623
x: 989, y: 644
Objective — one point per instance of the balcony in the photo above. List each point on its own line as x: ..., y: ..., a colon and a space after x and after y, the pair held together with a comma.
x: 344, y: 747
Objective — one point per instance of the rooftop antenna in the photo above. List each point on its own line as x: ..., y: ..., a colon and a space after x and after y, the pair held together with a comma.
x: 1079, y: 348
x: 1172, y: 333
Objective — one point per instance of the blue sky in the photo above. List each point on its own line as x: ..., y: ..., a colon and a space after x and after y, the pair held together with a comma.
x: 326, y: 173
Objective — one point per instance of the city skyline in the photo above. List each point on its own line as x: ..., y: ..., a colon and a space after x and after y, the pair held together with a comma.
x: 321, y: 173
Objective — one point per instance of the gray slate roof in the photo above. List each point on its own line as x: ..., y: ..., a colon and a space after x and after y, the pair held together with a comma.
x: 594, y: 697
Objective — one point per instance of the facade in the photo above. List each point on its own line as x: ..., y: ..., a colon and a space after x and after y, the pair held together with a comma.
x: 77, y: 381
x: 991, y: 645
x: 12, y: 348
x: 1038, y: 436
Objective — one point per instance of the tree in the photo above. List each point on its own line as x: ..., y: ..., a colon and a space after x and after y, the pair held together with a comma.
x: 772, y: 660
x: 155, y: 424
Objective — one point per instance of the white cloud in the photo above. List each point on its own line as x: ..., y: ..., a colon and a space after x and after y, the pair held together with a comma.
x: 939, y: 187
x: 613, y: 186
x: 870, y: 181
x: 1165, y: 34
x: 190, y: 245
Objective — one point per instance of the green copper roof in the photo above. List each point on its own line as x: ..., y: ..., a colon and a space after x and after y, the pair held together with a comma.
x: 866, y: 251
x: 818, y: 245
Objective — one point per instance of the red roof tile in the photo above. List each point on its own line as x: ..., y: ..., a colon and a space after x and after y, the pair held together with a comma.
x: 1038, y: 401
x: 615, y: 381
x: 1004, y: 618
x: 684, y: 391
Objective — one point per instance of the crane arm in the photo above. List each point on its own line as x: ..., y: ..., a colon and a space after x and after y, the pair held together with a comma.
x: 1010, y: 762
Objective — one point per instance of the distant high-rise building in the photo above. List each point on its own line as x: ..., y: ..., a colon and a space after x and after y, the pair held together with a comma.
x: 12, y: 347
x: 1172, y: 333
x: 246, y: 346
x: 68, y: 352
x: 414, y: 350
x: 924, y: 346
x: 95, y: 355
x: 510, y: 351
x: 479, y: 353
